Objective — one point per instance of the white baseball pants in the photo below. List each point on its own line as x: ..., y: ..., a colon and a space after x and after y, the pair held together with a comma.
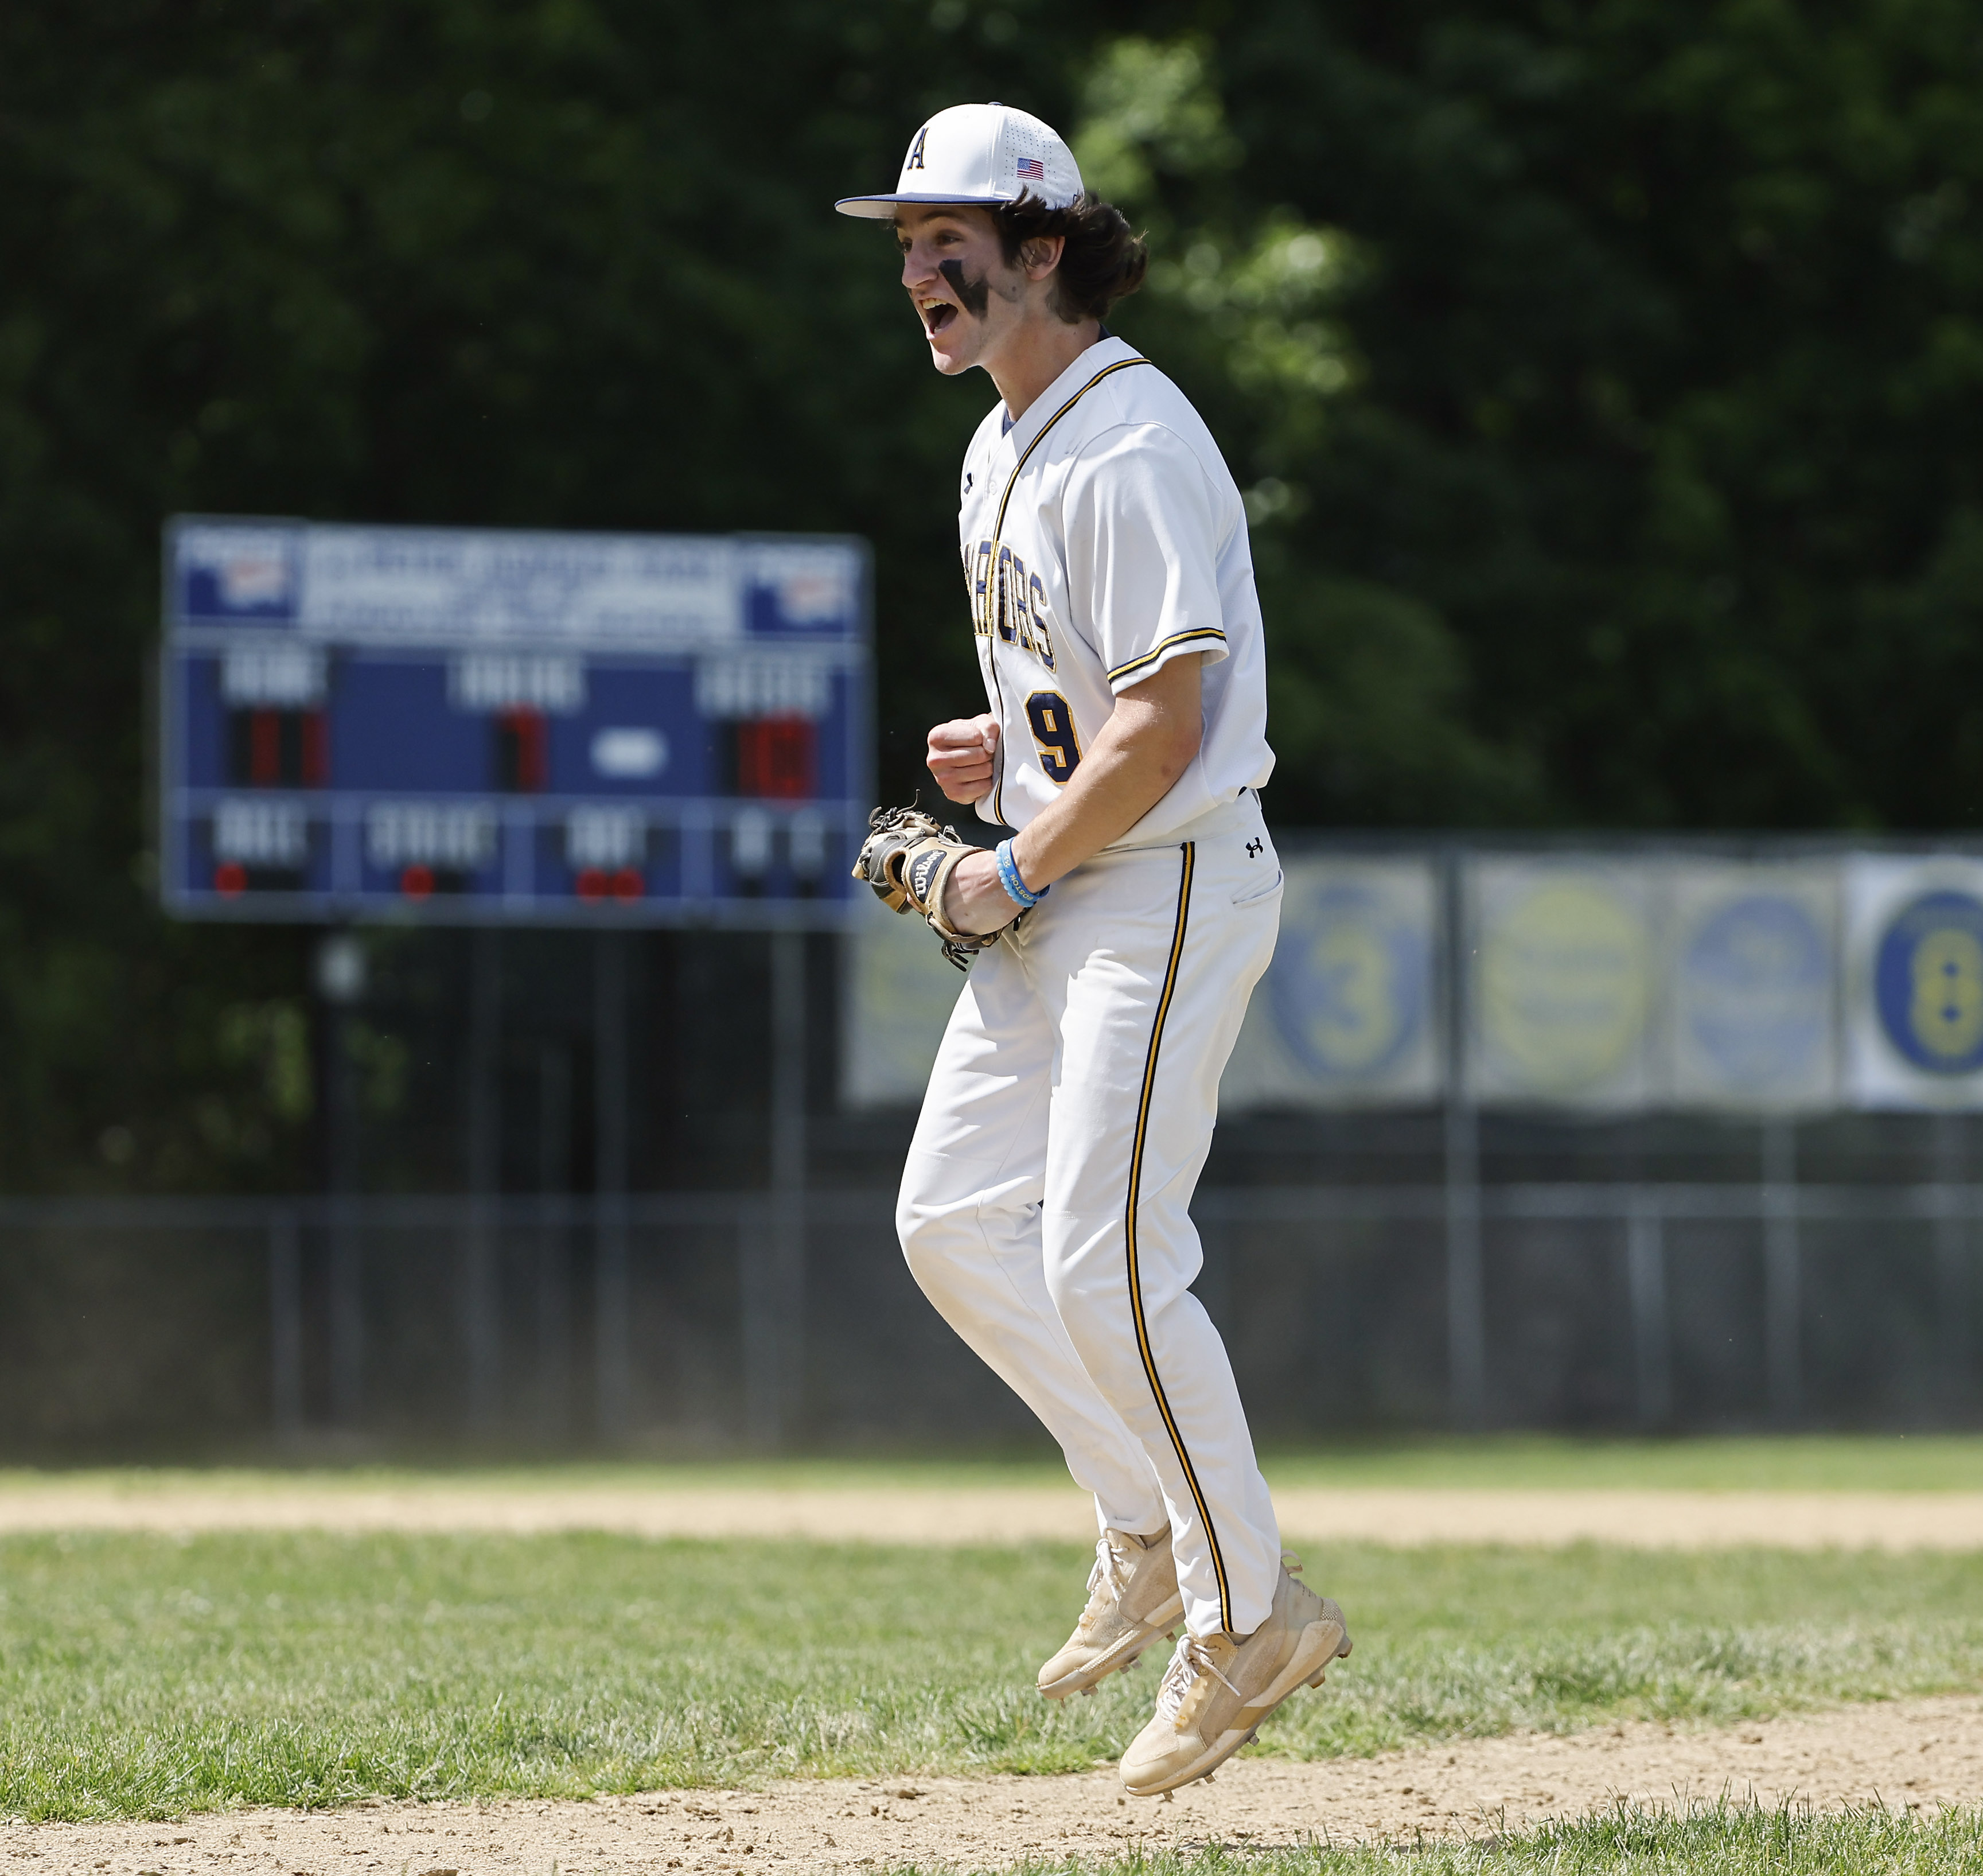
x: 1045, y: 1207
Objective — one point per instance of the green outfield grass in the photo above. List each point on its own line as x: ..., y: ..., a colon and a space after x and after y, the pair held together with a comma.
x: 1719, y: 1841
x: 147, y: 1676
x: 1897, y: 1462
x: 1938, y: 1462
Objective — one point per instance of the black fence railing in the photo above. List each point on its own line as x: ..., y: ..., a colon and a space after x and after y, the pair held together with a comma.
x: 775, y: 1319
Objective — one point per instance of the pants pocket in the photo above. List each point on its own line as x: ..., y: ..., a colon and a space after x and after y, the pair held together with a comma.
x: 1253, y: 891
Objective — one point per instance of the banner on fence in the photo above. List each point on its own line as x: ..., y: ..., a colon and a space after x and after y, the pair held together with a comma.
x: 1348, y: 1013
x: 1751, y: 976
x: 1598, y: 982
x: 1560, y: 979
x: 898, y: 995
x: 1914, y: 1004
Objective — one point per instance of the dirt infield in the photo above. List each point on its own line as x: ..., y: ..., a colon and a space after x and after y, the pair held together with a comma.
x: 998, y: 1514
x: 1919, y: 1754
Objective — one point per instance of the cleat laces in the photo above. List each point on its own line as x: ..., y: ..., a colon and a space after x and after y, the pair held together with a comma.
x: 1192, y: 1659
x: 1108, y: 1582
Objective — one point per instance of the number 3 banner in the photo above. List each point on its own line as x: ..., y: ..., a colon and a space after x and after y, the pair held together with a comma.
x: 1347, y: 1015
x: 1915, y: 945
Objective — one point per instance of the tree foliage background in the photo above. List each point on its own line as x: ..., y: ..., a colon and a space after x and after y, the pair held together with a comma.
x: 1605, y: 378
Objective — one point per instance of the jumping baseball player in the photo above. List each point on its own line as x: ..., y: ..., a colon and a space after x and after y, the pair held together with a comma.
x: 1113, y: 939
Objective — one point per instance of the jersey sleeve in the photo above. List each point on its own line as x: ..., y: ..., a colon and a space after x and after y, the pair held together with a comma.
x: 1142, y: 539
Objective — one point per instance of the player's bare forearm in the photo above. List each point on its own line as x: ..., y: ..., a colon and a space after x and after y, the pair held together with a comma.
x: 1148, y: 742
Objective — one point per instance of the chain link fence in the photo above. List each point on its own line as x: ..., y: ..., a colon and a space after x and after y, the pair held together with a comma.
x: 779, y: 1319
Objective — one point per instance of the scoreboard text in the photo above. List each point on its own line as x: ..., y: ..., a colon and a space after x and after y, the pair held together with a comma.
x: 471, y: 725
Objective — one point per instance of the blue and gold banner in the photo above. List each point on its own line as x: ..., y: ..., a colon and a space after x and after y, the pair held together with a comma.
x: 1562, y: 957
x: 1914, y: 1034
x: 1349, y: 1013
x: 1751, y: 1004
x: 1608, y: 982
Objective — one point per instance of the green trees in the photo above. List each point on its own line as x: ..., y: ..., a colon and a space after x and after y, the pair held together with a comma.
x: 1604, y: 377
x: 1661, y: 329
x: 570, y: 264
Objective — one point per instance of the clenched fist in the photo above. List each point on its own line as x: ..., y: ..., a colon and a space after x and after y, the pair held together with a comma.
x: 962, y: 753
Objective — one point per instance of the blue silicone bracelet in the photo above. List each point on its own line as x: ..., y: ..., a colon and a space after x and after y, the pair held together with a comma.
x: 1008, y: 877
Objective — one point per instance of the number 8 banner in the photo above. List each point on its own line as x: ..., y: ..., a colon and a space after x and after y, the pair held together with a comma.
x: 1915, y: 926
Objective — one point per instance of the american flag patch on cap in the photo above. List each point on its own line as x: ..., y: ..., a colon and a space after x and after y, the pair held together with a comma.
x: 1031, y: 169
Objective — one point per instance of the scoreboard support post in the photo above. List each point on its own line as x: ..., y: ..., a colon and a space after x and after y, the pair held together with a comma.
x: 612, y: 1298
x: 482, y: 1331
x: 553, y: 1240
x: 774, y: 1301
x: 340, y: 982
x: 487, y: 727
x: 347, y: 1315
x: 285, y: 1327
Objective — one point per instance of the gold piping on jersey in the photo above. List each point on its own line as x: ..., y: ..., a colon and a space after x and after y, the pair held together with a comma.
x: 1107, y: 371
x: 986, y: 623
x: 1129, y: 1237
x: 1211, y: 632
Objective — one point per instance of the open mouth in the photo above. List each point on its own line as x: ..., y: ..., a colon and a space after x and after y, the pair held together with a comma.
x: 936, y: 314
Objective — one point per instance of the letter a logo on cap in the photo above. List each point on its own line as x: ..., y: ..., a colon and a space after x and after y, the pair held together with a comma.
x: 980, y: 155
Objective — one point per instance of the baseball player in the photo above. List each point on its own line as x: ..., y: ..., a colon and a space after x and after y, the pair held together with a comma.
x: 1113, y: 938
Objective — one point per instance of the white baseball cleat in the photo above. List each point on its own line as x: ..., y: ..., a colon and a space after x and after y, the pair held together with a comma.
x: 1132, y: 1598
x: 1217, y: 1690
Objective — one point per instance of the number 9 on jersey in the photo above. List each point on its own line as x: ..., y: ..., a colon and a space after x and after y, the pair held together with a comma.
x: 1053, y: 734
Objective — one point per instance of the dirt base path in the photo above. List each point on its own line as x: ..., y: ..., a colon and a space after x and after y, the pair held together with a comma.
x: 1918, y: 1754
x: 1001, y: 1514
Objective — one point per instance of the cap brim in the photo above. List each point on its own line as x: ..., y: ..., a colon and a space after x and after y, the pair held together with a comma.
x: 882, y: 208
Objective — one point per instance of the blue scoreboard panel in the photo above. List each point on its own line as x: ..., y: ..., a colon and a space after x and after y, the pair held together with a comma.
x: 467, y: 725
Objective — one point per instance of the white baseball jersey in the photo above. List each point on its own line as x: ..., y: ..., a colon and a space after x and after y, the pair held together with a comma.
x: 1103, y: 535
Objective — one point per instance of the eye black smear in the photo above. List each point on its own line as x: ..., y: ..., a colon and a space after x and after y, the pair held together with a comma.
x: 976, y: 295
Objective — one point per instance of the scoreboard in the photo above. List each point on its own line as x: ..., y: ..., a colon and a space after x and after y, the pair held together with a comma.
x: 480, y: 725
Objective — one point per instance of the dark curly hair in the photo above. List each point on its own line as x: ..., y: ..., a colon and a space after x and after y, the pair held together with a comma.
x: 1103, y: 260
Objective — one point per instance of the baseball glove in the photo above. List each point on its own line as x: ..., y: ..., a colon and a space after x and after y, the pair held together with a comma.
x: 908, y: 860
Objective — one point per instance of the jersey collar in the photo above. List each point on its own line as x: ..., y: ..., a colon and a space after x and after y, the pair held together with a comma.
x: 1099, y: 356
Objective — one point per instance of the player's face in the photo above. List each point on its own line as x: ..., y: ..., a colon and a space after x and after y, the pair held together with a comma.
x: 968, y: 296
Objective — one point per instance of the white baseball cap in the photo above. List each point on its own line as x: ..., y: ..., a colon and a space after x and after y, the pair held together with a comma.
x: 982, y: 154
